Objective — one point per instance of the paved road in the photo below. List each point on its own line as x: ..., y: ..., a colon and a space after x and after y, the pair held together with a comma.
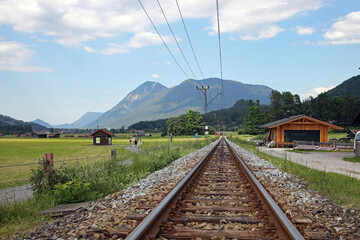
x: 17, y: 194
x: 323, y: 161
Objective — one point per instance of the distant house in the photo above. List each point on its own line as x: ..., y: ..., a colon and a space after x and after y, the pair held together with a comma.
x: 38, y: 135
x: 69, y: 136
x: 1, y: 135
x: 300, y: 128
x: 54, y: 135
x: 102, y: 137
x: 356, y: 119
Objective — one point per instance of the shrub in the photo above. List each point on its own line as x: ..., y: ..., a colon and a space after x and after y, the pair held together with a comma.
x: 73, y: 191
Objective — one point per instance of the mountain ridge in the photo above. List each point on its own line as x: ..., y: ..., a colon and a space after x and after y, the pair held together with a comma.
x: 151, y: 100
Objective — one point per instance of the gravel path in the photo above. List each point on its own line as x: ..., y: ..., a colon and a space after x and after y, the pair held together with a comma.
x: 323, y: 161
x: 103, y: 219
x: 16, y: 194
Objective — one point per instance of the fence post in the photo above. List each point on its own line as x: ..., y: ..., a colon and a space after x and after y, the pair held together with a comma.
x: 48, y: 167
x: 113, y: 154
x: 357, y: 149
x: 170, y: 139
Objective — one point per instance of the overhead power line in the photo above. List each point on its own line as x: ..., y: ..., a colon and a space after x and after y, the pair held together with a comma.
x: 168, y: 49
x: 221, y: 68
x: 164, y: 41
x: 188, y: 37
x: 177, y: 43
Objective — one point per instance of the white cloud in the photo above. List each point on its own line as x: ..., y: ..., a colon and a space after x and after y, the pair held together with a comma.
x: 268, y: 32
x: 345, y: 31
x: 15, y: 56
x: 155, y: 76
x: 258, y: 19
x: 316, y: 91
x: 305, y: 30
x: 137, y: 41
x: 168, y: 62
x: 76, y: 22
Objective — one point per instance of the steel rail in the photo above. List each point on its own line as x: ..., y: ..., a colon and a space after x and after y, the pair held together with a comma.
x: 148, y: 228
x: 287, y: 229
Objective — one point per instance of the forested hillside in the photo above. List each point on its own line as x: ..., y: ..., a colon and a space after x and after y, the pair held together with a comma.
x: 350, y: 86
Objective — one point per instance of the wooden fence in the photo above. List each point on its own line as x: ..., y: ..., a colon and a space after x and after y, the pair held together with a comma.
x: 332, y: 144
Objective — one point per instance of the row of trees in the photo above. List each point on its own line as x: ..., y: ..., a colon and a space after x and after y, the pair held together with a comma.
x: 337, y: 110
x: 188, y: 124
x: 17, y: 129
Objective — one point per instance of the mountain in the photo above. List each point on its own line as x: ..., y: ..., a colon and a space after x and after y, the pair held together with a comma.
x: 41, y: 122
x: 352, y: 85
x: 82, y: 121
x: 151, y: 101
x: 9, y: 121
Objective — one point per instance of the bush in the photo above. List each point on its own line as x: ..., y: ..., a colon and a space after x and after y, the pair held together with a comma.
x: 73, y: 191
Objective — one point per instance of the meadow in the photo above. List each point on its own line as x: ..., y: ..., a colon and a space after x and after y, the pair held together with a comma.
x: 17, y: 151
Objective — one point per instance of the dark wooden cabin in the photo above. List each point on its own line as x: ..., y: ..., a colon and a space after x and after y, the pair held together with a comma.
x: 54, y: 135
x: 38, y: 135
x: 102, y: 137
x: 300, y: 128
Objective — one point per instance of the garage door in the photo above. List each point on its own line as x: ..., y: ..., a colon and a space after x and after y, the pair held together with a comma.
x: 302, y: 135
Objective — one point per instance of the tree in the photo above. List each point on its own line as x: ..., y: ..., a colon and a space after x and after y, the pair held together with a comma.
x: 276, y: 105
x: 253, y: 120
x: 336, y: 109
x: 187, y: 124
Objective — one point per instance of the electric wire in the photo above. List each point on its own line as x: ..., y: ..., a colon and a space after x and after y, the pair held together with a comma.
x: 188, y: 37
x: 177, y: 43
x: 221, y: 67
x: 192, y: 48
x: 164, y: 41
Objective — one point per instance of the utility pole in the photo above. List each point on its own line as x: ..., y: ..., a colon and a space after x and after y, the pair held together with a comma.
x: 203, y: 89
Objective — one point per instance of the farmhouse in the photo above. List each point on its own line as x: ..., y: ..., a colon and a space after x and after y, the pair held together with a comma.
x: 102, y: 137
x: 38, y: 135
x: 54, y: 135
x: 300, y: 127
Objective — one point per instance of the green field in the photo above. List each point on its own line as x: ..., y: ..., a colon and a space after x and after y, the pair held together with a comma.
x: 14, y: 151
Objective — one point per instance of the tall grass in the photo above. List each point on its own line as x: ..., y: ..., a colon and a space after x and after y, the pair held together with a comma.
x: 99, y: 179
x: 340, y: 188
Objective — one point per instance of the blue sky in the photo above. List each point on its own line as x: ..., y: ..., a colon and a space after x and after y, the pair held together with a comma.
x: 60, y: 59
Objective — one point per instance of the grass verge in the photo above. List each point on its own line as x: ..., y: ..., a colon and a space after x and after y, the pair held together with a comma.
x: 341, y: 189
x: 353, y: 159
x: 99, y: 178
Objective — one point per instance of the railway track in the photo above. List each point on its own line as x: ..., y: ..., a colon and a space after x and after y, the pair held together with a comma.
x: 218, y: 199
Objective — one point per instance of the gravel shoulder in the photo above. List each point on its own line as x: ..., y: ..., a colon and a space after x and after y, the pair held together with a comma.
x: 323, y: 161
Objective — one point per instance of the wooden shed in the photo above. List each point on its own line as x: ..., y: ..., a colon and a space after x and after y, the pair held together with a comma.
x: 38, y: 135
x: 54, y: 135
x: 102, y: 137
x: 300, y: 127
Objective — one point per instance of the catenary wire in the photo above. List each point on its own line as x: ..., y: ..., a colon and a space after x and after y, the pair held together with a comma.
x: 168, y: 49
x: 221, y: 68
x: 188, y: 37
x: 177, y: 43
x: 163, y: 41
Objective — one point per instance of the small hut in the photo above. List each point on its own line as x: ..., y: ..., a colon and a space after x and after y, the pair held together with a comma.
x: 54, y: 135
x: 38, y: 135
x: 300, y: 128
x: 102, y: 137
